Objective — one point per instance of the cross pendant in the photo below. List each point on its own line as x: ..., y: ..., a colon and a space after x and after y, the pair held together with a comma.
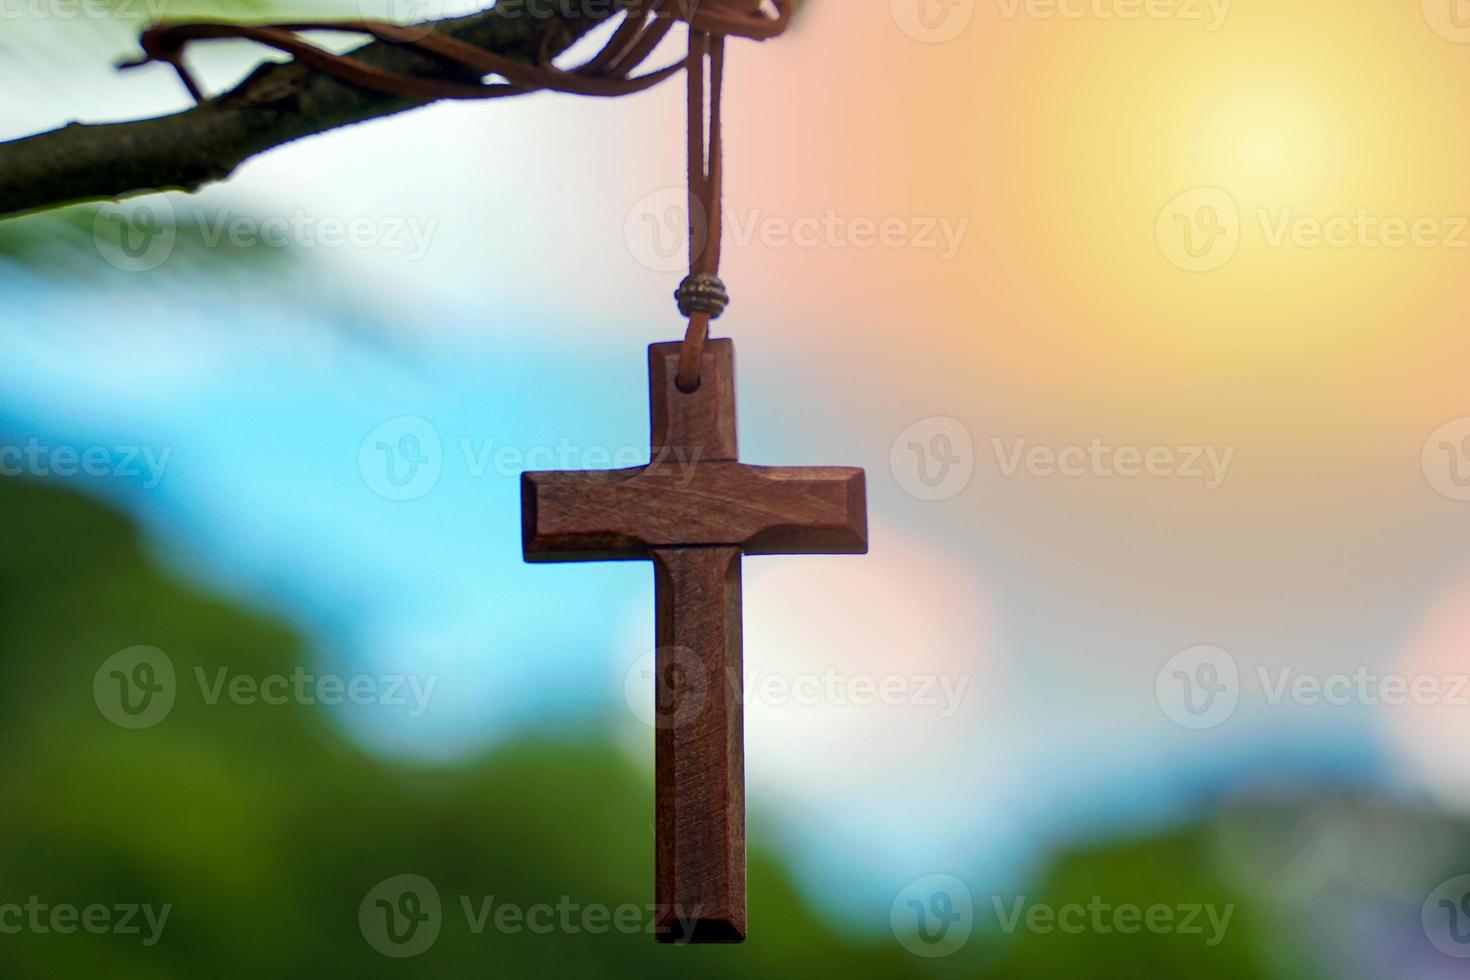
x: 694, y: 511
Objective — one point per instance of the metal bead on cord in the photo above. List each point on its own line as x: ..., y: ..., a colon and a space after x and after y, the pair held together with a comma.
x: 702, y: 293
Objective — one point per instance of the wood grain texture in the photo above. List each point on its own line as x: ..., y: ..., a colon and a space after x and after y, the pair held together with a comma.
x: 699, y: 755
x: 698, y: 425
x: 694, y: 511
x: 608, y: 516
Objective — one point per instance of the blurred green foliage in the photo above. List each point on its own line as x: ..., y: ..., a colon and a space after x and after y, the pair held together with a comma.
x: 72, y: 243
x: 264, y: 828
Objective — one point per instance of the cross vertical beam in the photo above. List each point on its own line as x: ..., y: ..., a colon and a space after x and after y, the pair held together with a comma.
x: 699, y: 751
x: 699, y: 748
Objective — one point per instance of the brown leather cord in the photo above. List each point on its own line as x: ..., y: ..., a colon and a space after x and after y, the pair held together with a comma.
x: 609, y: 73
x: 706, y: 190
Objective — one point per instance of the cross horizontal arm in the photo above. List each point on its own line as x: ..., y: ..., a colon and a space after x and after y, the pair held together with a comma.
x: 623, y: 514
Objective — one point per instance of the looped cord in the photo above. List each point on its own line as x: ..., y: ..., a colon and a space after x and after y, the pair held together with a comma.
x: 609, y: 73
x: 706, y: 190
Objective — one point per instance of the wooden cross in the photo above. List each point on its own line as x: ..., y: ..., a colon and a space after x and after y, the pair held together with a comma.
x: 694, y: 510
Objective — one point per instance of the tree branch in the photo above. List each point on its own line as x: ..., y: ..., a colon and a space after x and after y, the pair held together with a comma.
x: 277, y: 104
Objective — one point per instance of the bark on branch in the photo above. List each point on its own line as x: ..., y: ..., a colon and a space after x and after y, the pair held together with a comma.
x: 277, y: 104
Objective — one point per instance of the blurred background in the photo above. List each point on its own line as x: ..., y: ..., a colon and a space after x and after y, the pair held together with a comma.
x: 1146, y: 321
